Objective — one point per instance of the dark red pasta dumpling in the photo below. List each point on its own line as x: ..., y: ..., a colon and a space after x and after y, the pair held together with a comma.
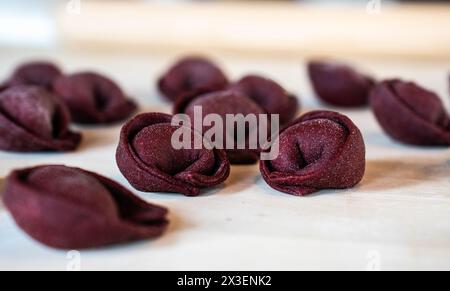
x: 270, y: 96
x: 411, y: 114
x: 340, y: 85
x: 70, y: 208
x: 32, y: 120
x: 223, y: 103
x: 3, y: 87
x: 147, y: 158
x: 38, y: 73
x: 192, y: 74
x: 320, y: 150
x: 93, y: 98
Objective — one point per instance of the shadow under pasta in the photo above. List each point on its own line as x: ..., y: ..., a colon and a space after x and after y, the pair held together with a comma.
x: 99, y: 137
x: 241, y: 178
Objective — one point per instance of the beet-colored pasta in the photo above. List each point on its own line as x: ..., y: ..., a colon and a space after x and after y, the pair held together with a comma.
x: 411, y: 114
x: 33, y: 120
x: 320, y: 150
x: 70, y: 208
x: 192, y: 74
x: 270, y: 96
x: 3, y: 87
x: 225, y: 103
x: 149, y: 161
x: 40, y: 73
x: 340, y: 85
x: 93, y: 98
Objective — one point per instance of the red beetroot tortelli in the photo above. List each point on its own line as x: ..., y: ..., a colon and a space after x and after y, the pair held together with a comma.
x: 410, y: 113
x: 147, y: 158
x: 268, y: 94
x: 339, y: 84
x: 34, y: 120
x: 70, y: 208
x: 320, y: 150
x: 192, y: 74
x: 3, y: 87
x: 223, y: 103
x: 38, y: 73
x: 93, y: 98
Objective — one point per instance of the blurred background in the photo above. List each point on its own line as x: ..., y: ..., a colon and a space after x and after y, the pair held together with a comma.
x: 359, y: 27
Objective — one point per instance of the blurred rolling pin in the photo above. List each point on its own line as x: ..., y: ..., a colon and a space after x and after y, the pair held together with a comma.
x: 262, y: 27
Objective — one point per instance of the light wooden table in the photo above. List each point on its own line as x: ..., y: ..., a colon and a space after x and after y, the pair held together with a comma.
x: 397, y: 218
